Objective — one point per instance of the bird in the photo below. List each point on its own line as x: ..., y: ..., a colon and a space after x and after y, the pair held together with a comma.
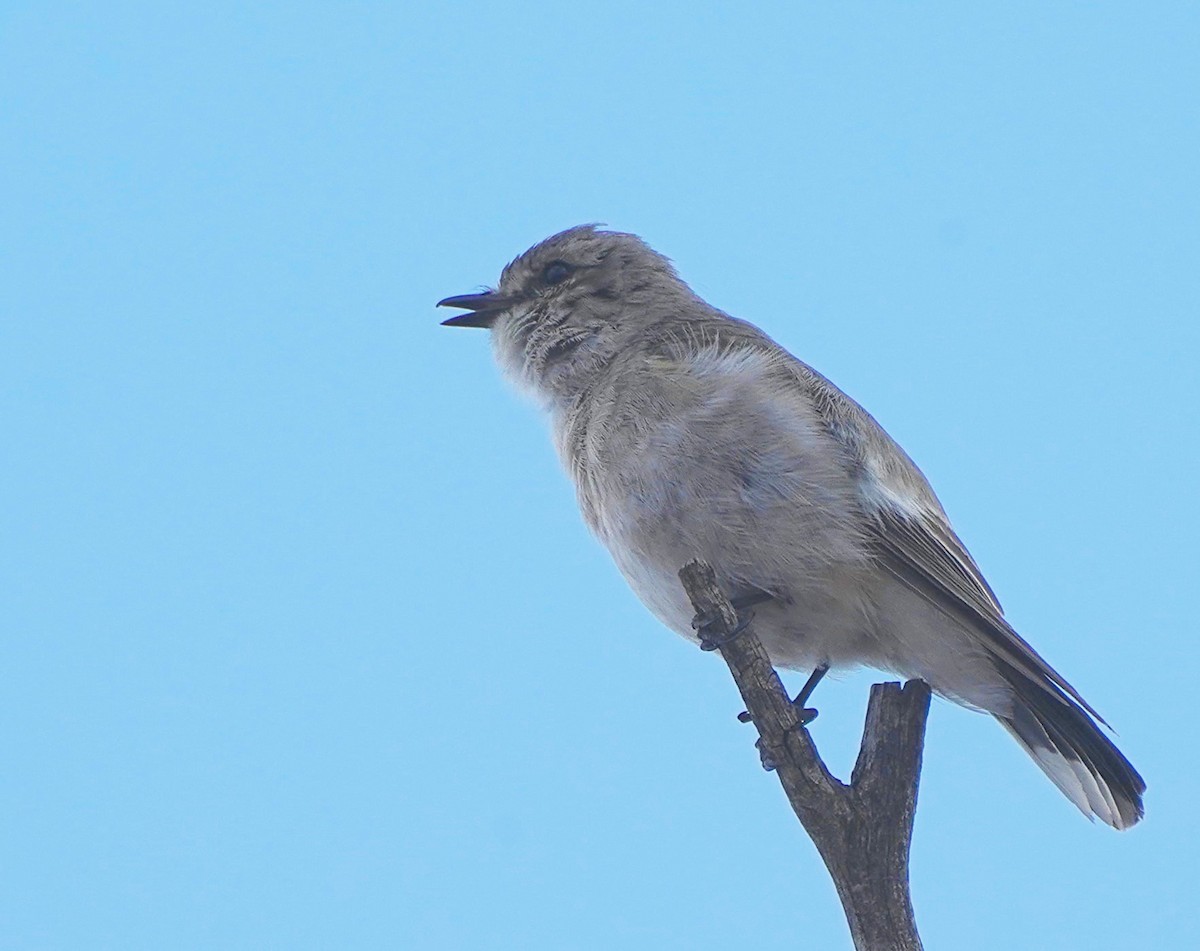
x: 691, y: 434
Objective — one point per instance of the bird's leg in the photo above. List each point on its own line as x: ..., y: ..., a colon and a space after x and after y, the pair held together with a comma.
x: 741, y: 605
x: 807, y: 714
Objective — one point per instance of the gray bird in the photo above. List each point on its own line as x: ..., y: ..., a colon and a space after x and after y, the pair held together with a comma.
x: 691, y: 434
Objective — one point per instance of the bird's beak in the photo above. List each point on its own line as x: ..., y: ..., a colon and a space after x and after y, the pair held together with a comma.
x: 485, y: 308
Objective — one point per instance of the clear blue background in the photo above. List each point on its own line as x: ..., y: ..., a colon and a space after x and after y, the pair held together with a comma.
x: 304, y: 645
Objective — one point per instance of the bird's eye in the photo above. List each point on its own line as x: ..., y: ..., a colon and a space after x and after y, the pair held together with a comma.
x: 556, y: 272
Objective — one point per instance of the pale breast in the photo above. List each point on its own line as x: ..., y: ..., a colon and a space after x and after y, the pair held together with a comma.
x: 713, y: 455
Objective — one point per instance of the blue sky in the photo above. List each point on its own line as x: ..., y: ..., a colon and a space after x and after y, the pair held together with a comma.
x: 304, y: 643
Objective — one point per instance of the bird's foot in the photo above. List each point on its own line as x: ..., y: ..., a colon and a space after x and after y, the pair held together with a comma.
x: 703, y: 623
x: 708, y: 642
x: 805, y: 715
x: 768, y: 763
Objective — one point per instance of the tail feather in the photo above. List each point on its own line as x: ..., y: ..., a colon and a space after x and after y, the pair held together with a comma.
x: 1070, y: 749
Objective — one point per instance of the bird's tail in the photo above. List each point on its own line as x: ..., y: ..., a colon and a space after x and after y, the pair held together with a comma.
x: 1069, y: 748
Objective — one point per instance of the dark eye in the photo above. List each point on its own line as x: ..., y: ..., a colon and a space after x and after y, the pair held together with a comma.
x: 556, y: 272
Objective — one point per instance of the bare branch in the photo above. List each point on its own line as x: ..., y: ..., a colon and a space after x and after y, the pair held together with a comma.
x: 862, y: 830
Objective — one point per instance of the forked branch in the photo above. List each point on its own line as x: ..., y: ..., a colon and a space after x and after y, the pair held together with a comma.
x: 862, y: 830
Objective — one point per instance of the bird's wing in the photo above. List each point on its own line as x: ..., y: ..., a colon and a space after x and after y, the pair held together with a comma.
x: 913, y: 538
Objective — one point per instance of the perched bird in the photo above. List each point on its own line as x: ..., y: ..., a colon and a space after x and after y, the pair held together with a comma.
x: 691, y: 434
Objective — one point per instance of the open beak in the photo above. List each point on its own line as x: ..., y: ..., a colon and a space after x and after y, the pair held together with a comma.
x: 484, y: 309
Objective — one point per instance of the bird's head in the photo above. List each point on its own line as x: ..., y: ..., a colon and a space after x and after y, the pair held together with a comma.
x: 566, y: 306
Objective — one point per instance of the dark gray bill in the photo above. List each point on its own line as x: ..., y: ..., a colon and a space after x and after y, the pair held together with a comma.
x: 485, y: 308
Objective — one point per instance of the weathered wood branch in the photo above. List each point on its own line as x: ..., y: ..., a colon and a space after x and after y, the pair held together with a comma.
x: 862, y: 830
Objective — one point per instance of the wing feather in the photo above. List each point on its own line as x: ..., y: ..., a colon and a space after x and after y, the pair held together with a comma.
x: 907, y: 523
x: 913, y: 537
x: 931, y: 562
